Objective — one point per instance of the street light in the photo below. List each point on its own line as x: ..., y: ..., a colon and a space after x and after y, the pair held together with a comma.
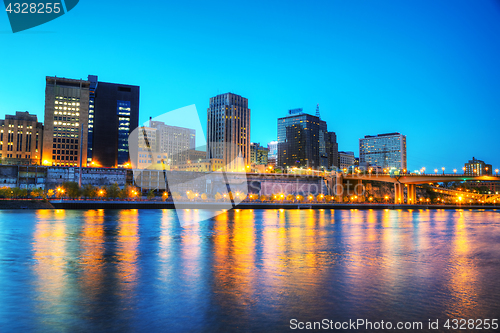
x: 455, y: 171
x: 443, y: 170
x: 496, y: 171
x: 436, y: 171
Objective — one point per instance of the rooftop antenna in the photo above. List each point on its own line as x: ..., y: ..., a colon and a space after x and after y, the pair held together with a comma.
x: 317, y: 111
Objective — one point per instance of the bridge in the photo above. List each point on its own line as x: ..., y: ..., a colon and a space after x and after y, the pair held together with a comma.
x: 410, y: 181
x: 464, y: 196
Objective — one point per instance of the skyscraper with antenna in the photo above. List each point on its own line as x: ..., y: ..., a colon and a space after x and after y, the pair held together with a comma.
x: 317, y: 111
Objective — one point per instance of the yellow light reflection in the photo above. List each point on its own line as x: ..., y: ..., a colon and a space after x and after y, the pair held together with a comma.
x: 49, y: 253
x: 92, y: 255
x: 127, y: 243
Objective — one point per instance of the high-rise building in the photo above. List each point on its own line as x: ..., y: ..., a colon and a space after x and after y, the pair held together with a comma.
x: 303, y: 141
x: 258, y: 154
x: 478, y: 168
x: 175, y: 141
x: 21, y: 139
x: 272, y: 147
x: 66, y: 110
x: 331, y: 153
x: 228, y: 130
x: 113, y: 115
x: 383, y: 150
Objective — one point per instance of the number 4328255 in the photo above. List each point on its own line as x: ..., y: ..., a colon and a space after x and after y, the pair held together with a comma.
x: 471, y: 324
x: 33, y: 8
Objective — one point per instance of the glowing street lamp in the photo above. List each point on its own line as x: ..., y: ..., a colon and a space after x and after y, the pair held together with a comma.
x: 443, y: 170
x: 436, y: 171
x: 496, y: 171
x: 455, y: 171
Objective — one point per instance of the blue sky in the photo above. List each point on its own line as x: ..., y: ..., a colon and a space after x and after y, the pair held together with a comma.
x: 427, y: 69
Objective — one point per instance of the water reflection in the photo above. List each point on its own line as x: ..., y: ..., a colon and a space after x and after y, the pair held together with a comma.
x: 50, y: 241
x: 234, y: 262
x: 92, y: 254
x: 127, y: 242
x: 136, y: 270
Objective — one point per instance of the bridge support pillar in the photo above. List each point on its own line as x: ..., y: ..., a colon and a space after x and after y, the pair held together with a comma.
x: 358, y: 189
x: 398, y: 193
x: 412, y: 194
x: 338, y: 190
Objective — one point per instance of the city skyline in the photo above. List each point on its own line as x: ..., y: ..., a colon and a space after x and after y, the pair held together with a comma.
x: 429, y: 76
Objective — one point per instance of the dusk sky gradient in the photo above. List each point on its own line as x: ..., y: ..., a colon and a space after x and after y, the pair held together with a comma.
x: 427, y: 69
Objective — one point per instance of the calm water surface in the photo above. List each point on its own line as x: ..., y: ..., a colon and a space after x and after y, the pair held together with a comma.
x: 248, y: 271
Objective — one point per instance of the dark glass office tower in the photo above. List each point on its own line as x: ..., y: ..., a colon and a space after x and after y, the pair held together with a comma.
x: 299, y: 140
x: 304, y: 141
x: 113, y: 115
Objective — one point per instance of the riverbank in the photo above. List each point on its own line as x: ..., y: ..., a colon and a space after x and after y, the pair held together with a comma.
x: 83, y: 204
x: 25, y: 204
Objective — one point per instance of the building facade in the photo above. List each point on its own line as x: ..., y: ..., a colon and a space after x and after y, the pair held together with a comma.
x: 196, y: 155
x: 346, y: 159
x: 148, y: 155
x: 478, y: 168
x: 384, y: 150
x: 21, y: 138
x: 303, y: 141
x: 272, y: 157
x: 66, y: 112
x: 174, y: 141
x: 113, y: 115
x: 204, y: 165
x: 228, y: 131
x: 331, y: 153
x: 258, y: 154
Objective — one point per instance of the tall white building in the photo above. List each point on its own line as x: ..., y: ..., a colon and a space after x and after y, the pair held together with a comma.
x: 384, y: 150
x: 228, y: 131
x: 174, y: 141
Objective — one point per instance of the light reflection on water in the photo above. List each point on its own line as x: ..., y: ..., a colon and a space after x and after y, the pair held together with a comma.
x: 254, y: 270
